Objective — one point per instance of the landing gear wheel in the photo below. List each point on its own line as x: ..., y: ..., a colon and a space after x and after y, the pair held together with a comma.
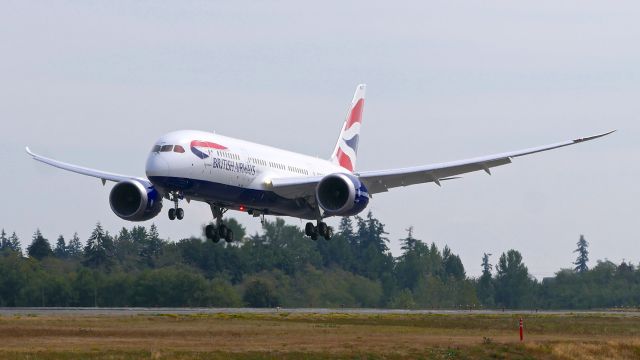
x: 314, y: 236
x: 329, y: 233
x: 179, y: 214
x: 322, y: 229
x: 222, y: 231
x: 172, y: 214
x: 211, y: 233
x: 309, y: 229
x: 229, y: 237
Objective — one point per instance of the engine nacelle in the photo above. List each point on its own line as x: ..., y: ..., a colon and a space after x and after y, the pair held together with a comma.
x: 132, y: 201
x: 342, y: 194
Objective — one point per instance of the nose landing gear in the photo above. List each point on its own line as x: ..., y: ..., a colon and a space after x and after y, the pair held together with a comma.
x: 175, y: 212
x: 321, y: 230
x: 219, y: 230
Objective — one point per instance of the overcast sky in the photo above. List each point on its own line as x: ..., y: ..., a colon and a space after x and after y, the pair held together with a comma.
x: 96, y: 83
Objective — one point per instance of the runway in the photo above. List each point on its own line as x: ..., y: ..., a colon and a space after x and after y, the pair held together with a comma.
x: 83, y: 311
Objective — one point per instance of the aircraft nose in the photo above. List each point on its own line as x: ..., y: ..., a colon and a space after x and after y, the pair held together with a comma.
x: 157, y: 165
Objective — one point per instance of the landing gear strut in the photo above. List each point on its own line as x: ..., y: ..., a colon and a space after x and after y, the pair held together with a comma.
x: 321, y: 230
x: 175, y: 212
x: 219, y: 230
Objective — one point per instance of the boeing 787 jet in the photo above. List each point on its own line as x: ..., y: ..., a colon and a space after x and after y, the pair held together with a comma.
x: 232, y: 174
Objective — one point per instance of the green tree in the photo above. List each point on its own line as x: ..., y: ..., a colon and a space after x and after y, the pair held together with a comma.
x: 150, y: 247
x: 485, y: 289
x: 60, y: 250
x: 513, y: 285
x: 4, y: 241
x: 374, y: 260
x: 14, y: 243
x: 74, y: 248
x: 583, y: 255
x: 452, y: 265
x: 40, y: 247
x: 99, y: 249
x: 260, y: 294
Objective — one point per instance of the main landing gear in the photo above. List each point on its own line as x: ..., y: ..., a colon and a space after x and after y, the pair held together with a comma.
x: 321, y: 230
x: 175, y: 212
x: 219, y: 230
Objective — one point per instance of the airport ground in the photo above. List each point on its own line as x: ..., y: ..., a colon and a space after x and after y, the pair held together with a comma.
x: 314, y: 334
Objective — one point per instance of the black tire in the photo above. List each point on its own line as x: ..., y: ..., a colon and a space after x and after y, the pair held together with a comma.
x: 222, y: 231
x: 172, y: 214
x: 329, y: 233
x: 210, y: 232
x: 215, y: 238
x: 314, y: 236
x: 229, y: 237
x: 180, y: 214
x: 322, y: 229
x: 309, y: 229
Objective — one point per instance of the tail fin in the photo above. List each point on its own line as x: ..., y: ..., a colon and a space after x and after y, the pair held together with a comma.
x: 346, y: 149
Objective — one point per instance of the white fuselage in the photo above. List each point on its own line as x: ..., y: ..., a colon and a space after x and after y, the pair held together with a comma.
x: 221, y: 170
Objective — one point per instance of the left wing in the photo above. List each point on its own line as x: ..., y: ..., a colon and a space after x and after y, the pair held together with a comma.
x: 103, y: 175
x: 383, y: 180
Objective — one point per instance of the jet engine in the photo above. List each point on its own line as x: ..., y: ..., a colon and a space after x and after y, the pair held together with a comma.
x: 132, y: 201
x: 341, y: 194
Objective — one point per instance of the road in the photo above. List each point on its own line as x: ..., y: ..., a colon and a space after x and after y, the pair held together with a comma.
x: 75, y: 311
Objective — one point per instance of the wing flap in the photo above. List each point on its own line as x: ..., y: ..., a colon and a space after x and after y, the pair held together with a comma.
x: 295, y: 187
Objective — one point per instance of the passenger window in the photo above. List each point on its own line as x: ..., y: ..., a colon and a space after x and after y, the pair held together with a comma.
x: 166, y: 148
x: 178, y: 149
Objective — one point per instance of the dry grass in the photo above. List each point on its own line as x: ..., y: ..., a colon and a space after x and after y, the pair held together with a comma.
x: 311, y: 336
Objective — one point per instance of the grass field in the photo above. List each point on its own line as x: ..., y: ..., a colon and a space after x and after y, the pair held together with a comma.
x: 319, y: 336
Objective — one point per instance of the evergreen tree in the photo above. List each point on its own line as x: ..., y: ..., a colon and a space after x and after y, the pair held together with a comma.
x: 375, y: 259
x: 486, y: 291
x: 513, y: 285
x: 412, y: 265
x: 74, y: 248
x: 486, y: 266
x: 4, y: 241
x: 151, y: 246
x: 408, y: 243
x: 452, y: 265
x: 40, y: 247
x: 583, y: 255
x: 61, y: 248
x: 14, y: 243
x: 99, y: 249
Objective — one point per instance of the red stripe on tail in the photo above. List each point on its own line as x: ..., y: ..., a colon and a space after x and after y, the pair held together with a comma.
x: 355, y: 115
x: 344, y: 160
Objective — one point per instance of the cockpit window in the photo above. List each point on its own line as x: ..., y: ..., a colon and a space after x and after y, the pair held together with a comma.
x: 166, y: 148
x: 178, y: 149
x: 156, y: 149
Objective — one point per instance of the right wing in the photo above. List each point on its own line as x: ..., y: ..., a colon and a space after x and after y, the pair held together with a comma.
x: 103, y: 175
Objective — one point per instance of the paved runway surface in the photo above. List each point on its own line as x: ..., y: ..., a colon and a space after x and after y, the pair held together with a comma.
x: 186, y: 311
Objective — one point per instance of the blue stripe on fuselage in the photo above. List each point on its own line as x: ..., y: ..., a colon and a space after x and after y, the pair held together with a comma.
x: 235, y: 195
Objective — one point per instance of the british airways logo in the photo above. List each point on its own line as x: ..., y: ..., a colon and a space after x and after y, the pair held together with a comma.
x: 196, y: 144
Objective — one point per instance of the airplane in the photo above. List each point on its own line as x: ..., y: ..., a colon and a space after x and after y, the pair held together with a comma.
x: 232, y: 174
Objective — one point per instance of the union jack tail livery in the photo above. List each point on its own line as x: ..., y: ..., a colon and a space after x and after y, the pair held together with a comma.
x: 346, y: 149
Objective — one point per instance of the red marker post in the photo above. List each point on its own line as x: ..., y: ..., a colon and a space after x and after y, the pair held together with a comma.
x: 521, y: 332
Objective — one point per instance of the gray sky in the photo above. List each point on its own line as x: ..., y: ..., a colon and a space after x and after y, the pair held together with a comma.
x: 95, y: 83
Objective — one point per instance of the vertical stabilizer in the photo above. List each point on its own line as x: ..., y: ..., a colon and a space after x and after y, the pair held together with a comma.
x: 346, y: 150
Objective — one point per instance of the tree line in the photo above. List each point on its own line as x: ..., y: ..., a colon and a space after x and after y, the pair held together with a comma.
x: 281, y: 267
